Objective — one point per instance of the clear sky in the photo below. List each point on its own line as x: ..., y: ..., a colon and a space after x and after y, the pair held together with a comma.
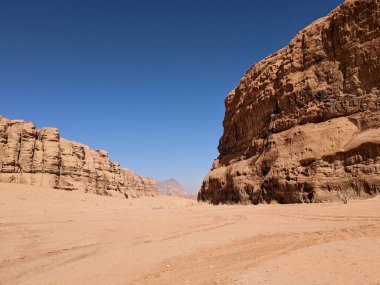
x: 145, y: 80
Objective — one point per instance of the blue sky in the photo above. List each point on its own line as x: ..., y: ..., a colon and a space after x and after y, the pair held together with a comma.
x: 145, y: 80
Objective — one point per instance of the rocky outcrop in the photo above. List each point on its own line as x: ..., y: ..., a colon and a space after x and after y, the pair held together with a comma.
x: 172, y: 187
x: 41, y: 157
x: 303, y: 124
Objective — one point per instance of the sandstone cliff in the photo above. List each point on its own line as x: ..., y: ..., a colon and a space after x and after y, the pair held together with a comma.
x: 41, y: 157
x: 303, y: 124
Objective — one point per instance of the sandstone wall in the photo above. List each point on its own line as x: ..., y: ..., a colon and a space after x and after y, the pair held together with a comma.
x: 303, y: 124
x: 40, y: 157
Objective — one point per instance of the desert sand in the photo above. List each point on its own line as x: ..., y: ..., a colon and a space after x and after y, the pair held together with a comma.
x: 60, y: 237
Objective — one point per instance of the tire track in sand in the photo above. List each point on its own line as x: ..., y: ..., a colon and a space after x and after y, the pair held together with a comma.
x: 216, y: 265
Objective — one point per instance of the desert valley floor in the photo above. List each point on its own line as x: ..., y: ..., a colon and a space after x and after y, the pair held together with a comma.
x: 57, y: 237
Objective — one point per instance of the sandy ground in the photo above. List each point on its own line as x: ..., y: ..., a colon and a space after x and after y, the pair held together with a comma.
x: 55, y: 237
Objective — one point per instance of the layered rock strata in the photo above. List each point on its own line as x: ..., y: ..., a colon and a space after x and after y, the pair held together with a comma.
x: 40, y: 157
x: 303, y: 124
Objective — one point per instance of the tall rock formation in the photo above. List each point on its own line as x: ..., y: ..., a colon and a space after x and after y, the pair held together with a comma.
x: 41, y: 157
x: 303, y: 124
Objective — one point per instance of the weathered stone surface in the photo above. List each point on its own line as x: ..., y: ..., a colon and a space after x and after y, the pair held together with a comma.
x: 41, y: 157
x: 303, y: 124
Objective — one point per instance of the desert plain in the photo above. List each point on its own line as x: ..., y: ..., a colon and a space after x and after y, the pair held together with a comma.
x: 50, y: 236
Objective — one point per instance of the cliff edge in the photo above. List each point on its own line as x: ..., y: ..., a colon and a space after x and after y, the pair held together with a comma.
x: 40, y: 157
x: 303, y: 124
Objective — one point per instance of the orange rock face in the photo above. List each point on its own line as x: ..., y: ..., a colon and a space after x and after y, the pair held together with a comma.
x: 303, y: 124
x: 41, y: 157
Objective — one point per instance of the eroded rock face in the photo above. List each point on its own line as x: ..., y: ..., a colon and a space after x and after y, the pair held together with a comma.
x: 41, y: 157
x: 303, y: 124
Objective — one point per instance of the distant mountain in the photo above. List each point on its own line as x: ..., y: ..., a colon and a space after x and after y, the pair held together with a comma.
x: 172, y: 187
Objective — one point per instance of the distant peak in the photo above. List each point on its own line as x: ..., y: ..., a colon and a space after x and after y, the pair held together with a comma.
x: 171, y: 187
